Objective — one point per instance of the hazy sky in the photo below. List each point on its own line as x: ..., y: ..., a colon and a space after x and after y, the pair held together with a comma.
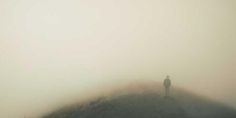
x: 54, y: 50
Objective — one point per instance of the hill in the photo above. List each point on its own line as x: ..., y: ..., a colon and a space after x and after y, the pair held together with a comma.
x: 147, y: 104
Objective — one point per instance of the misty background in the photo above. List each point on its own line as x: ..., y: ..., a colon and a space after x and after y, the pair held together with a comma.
x: 53, y: 52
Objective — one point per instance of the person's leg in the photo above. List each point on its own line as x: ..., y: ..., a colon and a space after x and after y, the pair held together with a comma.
x: 167, y: 91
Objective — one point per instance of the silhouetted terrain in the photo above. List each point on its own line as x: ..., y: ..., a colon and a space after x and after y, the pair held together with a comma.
x: 147, y: 104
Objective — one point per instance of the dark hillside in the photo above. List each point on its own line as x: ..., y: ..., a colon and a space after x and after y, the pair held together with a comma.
x: 148, y: 104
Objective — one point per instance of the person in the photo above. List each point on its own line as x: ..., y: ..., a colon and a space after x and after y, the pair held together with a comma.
x: 167, y: 84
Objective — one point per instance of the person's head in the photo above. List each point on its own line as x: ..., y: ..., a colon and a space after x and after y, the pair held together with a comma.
x: 167, y: 77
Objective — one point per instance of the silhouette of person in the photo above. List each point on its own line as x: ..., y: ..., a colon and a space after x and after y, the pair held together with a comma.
x: 167, y: 84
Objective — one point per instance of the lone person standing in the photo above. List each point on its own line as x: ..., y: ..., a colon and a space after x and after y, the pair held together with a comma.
x: 167, y: 84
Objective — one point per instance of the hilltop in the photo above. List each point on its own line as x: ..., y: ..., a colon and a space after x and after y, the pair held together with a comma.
x: 145, y: 102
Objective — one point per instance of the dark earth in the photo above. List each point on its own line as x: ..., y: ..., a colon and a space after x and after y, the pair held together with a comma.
x: 148, y: 104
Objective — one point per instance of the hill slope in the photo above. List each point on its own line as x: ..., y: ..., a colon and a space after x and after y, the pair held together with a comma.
x: 147, y: 104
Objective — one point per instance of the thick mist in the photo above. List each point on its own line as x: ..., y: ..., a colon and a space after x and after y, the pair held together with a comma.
x: 56, y: 52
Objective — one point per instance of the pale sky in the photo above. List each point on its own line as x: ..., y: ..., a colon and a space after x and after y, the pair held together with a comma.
x: 54, y: 50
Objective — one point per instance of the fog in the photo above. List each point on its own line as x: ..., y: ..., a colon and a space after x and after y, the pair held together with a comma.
x: 53, y: 52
